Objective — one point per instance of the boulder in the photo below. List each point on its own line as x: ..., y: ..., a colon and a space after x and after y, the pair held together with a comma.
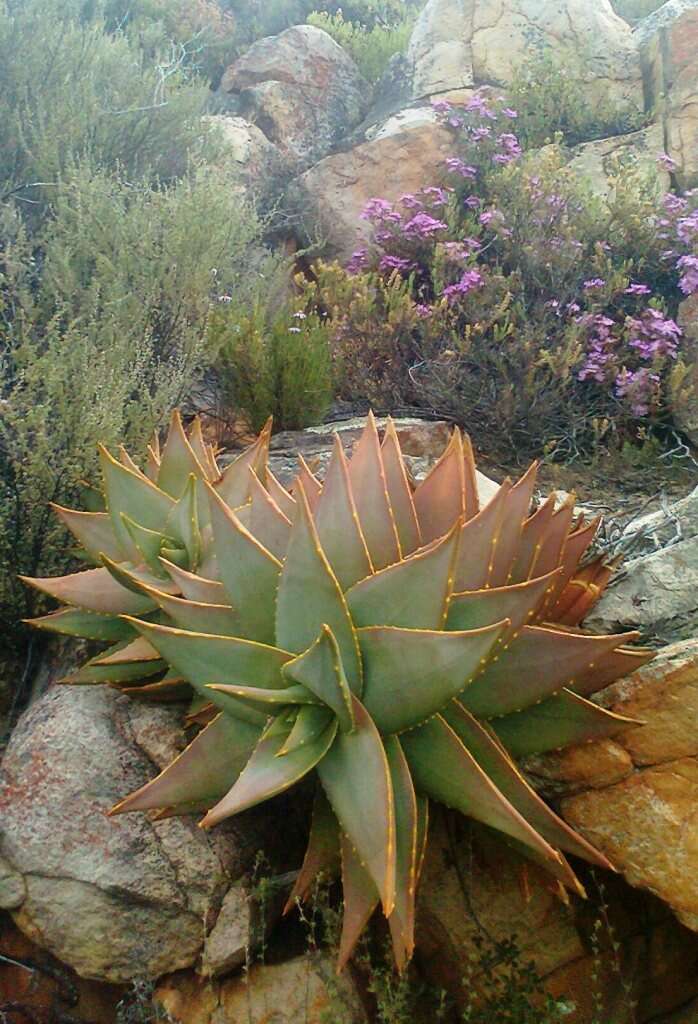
x: 685, y: 404
x: 246, y: 150
x: 476, y: 895
x: 656, y: 589
x: 599, y: 162
x: 668, y: 42
x: 422, y: 442
x: 404, y: 154
x: 643, y: 815
x: 305, y: 989
x: 114, y: 898
x: 301, y: 89
x: 459, y: 44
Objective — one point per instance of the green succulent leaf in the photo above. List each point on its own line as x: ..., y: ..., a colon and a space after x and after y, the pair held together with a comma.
x: 322, y: 856
x: 309, y: 597
x: 399, y: 492
x: 320, y: 669
x: 413, y: 593
x: 370, y: 489
x: 337, y: 524
x: 412, y: 673
x: 93, y: 530
x: 203, y: 772
x: 131, y: 493
x: 560, y: 721
x: 360, y: 900
x: 366, y: 814
x: 311, y: 722
x: 266, y: 775
x: 79, y: 623
x: 94, y: 590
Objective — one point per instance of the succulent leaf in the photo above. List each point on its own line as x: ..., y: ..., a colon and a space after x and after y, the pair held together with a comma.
x: 320, y: 669
x: 399, y: 492
x: 93, y: 530
x: 337, y: 524
x: 370, y: 490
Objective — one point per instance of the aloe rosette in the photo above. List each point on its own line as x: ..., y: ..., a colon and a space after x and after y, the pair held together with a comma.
x: 394, y: 639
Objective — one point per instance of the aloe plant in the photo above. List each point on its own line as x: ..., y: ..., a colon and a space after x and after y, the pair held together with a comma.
x: 394, y: 639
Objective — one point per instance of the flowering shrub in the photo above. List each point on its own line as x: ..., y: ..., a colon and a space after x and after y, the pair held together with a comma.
x: 526, y: 301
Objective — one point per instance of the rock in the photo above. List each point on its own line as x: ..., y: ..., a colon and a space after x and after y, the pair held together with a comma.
x: 600, y: 161
x: 685, y: 405
x: 422, y: 442
x: 644, y: 816
x: 475, y: 890
x: 254, y: 159
x: 244, y: 923
x: 656, y: 593
x: 668, y: 41
x: 405, y: 154
x: 301, y: 89
x: 47, y: 990
x: 114, y: 898
x: 305, y: 990
x: 458, y: 45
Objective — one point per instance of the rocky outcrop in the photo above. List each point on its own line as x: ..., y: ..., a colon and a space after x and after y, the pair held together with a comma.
x: 686, y: 400
x: 642, y: 814
x: 114, y: 898
x: 668, y: 41
x: 459, y: 44
x: 301, y: 89
x: 475, y: 894
x: 305, y: 990
x: 402, y: 156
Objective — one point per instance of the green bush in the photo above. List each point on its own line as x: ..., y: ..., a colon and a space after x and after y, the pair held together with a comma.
x: 545, y: 92
x: 102, y: 327
x: 371, y: 48
x: 272, y: 365
x: 71, y: 91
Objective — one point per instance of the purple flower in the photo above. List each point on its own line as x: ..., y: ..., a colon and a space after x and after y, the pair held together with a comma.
x: 380, y: 210
x: 358, y: 261
x: 508, y: 112
x: 654, y: 335
x: 470, y: 279
x: 487, y: 217
x: 458, y: 166
x: 594, y: 282
x: 478, y: 134
x: 472, y: 202
x: 441, y: 106
x: 639, y: 388
x: 410, y: 202
x: 422, y: 311
x: 477, y: 105
x: 395, y: 263
x: 689, y: 279
x: 666, y: 162
x: 436, y: 196
x: 424, y: 226
x: 638, y: 289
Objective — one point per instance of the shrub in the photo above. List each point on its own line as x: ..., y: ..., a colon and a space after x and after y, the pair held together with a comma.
x: 272, y: 365
x: 371, y: 48
x: 545, y: 91
x: 71, y: 91
x: 102, y: 322
x: 521, y: 301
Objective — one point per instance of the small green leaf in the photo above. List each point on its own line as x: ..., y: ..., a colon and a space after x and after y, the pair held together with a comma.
x: 311, y: 722
x: 320, y: 670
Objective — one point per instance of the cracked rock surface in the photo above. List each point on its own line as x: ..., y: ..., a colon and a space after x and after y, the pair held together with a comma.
x: 643, y: 812
x: 115, y: 898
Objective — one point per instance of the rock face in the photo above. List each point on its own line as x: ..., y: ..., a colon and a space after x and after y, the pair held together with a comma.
x: 475, y: 889
x: 301, y: 89
x: 115, y: 898
x: 599, y: 161
x: 643, y: 815
x: 668, y: 41
x: 302, y: 990
x: 457, y: 44
x: 686, y: 403
x: 404, y: 155
x: 253, y: 157
x: 656, y: 590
